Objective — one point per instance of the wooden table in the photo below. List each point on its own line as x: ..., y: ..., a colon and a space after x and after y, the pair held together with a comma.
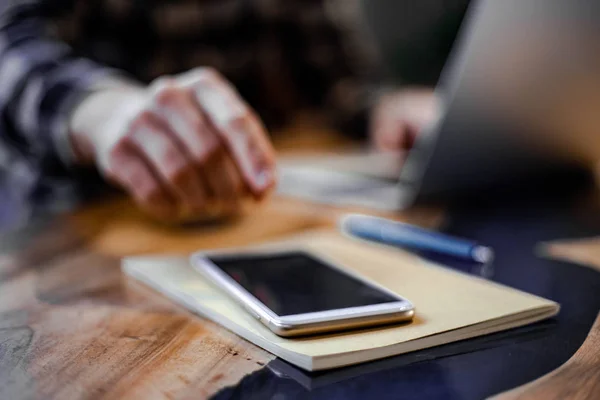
x: 71, y: 326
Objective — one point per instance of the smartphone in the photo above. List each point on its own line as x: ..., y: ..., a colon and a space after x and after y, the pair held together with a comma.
x: 298, y: 293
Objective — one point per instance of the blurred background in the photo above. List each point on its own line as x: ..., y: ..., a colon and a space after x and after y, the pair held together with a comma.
x: 324, y: 58
x: 178, y: 104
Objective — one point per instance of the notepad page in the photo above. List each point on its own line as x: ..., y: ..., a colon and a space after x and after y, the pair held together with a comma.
x: 445, y: 300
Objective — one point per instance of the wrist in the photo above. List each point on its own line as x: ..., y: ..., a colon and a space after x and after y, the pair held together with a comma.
x: 97, y: 117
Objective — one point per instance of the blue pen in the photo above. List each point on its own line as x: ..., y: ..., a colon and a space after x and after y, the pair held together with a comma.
x: 393, y: 233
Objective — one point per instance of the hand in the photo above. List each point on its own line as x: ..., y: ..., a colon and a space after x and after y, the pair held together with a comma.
x: 399, y: 117
x: 186, y: 146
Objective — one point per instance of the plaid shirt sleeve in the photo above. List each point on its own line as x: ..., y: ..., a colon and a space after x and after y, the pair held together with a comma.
x: 40, y: 81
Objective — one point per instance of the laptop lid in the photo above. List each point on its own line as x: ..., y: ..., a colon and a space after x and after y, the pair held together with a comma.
x: 502, y: 92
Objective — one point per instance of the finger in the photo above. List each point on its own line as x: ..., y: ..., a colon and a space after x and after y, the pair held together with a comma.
x: 233, y: 181
x: 131, y: 172
x: 238, y: 127
x: 390, y: 135
x: 226, y: 183
x: 186, y: 120
x: 243, y: 135
x: 411, y: 133
x: 200, y: 142
x: 156, y: 143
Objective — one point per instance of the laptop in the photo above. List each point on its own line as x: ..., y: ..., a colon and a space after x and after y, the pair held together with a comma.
x: 520, y: 96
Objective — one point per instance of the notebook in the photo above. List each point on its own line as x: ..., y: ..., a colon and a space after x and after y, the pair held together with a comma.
x: 450, y: 305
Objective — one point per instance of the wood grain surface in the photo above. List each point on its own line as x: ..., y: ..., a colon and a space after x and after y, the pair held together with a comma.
x: 577, y: 379
x: 72, y: 327
x: 582, y: 251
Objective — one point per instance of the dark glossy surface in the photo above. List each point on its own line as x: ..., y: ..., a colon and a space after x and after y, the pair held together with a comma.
x: 487, y: 365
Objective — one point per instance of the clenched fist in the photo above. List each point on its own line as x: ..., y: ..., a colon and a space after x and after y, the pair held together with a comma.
x: 184, y: 147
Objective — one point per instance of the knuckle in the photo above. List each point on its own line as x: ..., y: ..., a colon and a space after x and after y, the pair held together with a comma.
x: 170, y: 157
x: 201, y: 157
x: 167, y: 96
x: 208, y: 74
x: 199, y: 127
x: 240, y: 122
x: 143, y: 119
x: 140, y: 182
x: 161, y: 83
x: 177, y: 172
x: 249, y: 113
x: 207, y: 144
x: 116, y: 154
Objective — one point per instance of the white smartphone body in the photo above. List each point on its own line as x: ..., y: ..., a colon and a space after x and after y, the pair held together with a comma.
x: 294, y: 292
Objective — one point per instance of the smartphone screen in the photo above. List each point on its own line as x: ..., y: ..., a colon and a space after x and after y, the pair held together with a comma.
x: 298, y: 283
